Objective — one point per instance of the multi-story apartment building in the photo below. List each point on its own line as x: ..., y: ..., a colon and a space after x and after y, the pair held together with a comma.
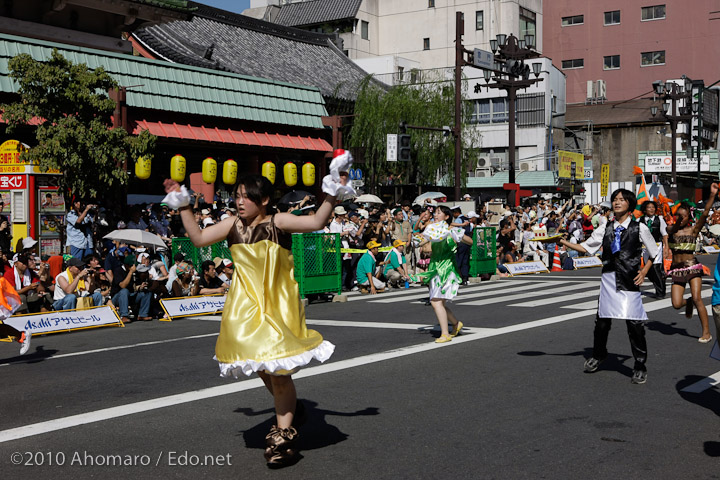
x: 629, y: 45
x: 400, y: 40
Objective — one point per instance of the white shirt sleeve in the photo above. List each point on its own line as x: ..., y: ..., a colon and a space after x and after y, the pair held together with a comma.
x: 663, y: 227
x: 593, y: 244
x: 647, y: 239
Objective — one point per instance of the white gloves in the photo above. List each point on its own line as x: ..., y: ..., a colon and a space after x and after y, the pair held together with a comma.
x: 177, y: 199
x: 331, y: 183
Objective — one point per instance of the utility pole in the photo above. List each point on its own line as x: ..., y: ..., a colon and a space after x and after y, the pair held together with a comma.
x: 457, y: 129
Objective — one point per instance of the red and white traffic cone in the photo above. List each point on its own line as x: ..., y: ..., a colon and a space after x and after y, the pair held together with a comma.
x: 556, y: 262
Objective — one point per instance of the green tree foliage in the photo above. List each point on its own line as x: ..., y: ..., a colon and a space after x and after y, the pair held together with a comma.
x: 75, y: 136
x: 379, y: 112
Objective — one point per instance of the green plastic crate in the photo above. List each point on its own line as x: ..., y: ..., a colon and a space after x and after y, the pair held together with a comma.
x: 317, y: 263
x: 483, y: 253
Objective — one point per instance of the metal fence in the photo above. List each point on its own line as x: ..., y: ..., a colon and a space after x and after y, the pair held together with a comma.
x: 199, y: 255
x: 483, y: 254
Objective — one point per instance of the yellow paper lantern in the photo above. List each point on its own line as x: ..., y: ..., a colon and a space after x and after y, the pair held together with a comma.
x: 308, y: 174
x: 209, y: 170
x: 268, y: 171
x: 229, y: 172
x: 142, y: 168
x: 290, y: 174
x: 177, y: 168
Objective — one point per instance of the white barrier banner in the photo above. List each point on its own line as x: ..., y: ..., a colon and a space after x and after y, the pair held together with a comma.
x: 521, y: 268
x: 64, y: 320
x: 187, y: 306
x: 711, y: 249
x: 585, y: 262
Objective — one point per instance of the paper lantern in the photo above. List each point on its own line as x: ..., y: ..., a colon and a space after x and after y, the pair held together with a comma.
x: 308, y: 174
x: 229, y: 172
x: 290, y: 174
x: 268, y: 171
x: 142, y: 168
x: 209, y: 170
x: 177, y: 168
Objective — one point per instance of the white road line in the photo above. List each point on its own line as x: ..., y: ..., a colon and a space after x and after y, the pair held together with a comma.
x: 486, y: 292
x: 583, y: 305
x: 119, y: 347
x: 704, y: 384
x: 521, y: 296
x: 171, y: 400
x: 406, y: 295
x: 548, y: 301
x: 345, y: 323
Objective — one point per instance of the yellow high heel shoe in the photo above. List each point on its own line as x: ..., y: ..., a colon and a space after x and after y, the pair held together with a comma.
x: 443, y: 339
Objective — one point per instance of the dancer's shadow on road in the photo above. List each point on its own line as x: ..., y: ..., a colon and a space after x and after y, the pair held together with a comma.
x: 39, y: 355
x: 613, y: 362
x: 708, y: 398
x: 667, y: 329
x: 315, y: 433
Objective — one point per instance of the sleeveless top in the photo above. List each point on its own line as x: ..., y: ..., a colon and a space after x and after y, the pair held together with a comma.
x: 626, y: 261
x: 682, y: 243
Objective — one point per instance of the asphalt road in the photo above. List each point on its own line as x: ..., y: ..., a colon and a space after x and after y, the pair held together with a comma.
x: 508, y: 399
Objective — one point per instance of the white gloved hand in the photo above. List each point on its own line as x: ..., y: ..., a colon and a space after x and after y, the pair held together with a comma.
x: 331, y: 183
x: 177, y: 198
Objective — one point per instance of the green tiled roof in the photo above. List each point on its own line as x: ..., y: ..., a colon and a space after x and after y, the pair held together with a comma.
x: 180, y: 88
x: 543, y: 178
x: 180, y: 5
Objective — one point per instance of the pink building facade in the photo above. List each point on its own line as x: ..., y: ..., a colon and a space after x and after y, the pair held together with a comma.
x: 630, y: 44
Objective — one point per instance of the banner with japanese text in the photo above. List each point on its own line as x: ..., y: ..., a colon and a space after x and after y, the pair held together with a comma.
x: 189, y: 306
x: 566, y: 159
x: 64, y: 320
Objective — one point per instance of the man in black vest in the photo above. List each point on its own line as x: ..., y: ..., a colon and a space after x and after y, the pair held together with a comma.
x: 621, y: 241
x: 658, y: 228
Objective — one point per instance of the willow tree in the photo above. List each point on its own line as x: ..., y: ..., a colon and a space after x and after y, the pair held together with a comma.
x: 74, y: 134
x: 378, y: 112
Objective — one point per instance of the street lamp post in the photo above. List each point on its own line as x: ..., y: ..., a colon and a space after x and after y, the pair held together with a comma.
x: 671, y: 93
x: 511, y: 74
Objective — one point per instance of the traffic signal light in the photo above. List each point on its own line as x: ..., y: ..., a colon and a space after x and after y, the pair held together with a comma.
x: 404, y: 147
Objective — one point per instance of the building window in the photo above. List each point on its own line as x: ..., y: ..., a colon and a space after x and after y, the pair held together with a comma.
x: 574, y: 63
x: 530, y: 109
x: 431, y: 3
x: 364, y: 26
x: 653, y: 58
x: 400, y: 74
x: 574, y: 20
x: 479, y: 20
x: 490, y: 110
x: 426, y: 44
x: 656, y: 12
x: 612, y: 18
x: 527, y: 23
x: 611, y: 62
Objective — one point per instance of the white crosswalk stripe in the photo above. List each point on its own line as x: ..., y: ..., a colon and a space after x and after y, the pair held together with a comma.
x: 577, y: 286
x: 475, y: 291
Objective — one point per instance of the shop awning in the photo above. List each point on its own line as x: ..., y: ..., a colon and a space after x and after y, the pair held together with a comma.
x: 226, y: 135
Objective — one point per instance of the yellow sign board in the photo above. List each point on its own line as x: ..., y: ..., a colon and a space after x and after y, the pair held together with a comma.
x: 10, y: 151
x: 566, y: 159
x: 604, y: 179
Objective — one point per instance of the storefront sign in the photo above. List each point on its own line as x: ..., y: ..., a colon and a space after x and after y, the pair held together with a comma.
x: 567, y: 159
x: 604, y: 179
x: 189, y: 306
x: 522, y: 268
x: 585, y: 262
x: 51, y: 201
x: 50, y: 246
x: 64, y: 320
x: 682, y: 164
x: 13, y: 182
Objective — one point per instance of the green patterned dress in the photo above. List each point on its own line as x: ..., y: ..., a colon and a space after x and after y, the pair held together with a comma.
x: 442, y: 273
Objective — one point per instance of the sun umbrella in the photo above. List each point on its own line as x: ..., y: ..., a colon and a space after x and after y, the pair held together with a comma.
x: 133, y: 236
x: 296, y: 196
x: 368, y: 198
x: 419, y: 200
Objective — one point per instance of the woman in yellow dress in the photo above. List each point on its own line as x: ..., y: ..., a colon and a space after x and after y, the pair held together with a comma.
x: 263, y: 323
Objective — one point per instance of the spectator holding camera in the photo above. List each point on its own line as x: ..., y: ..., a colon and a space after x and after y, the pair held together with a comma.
x: 209, y: 282
x: 79, y: 232
x: 185, y: 284
x: 71, y: 284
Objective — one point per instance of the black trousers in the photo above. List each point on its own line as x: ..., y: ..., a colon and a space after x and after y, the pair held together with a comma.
x: 656, y: 275
x: 636, y: 333
x: 462, y: 257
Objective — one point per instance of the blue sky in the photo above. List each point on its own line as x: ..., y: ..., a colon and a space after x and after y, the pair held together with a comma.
x: 229, y: 5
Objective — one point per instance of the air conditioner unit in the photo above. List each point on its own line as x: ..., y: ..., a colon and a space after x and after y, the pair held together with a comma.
x: 590, y: 90
x: 483, y: 173
x: 527, y: 167
x: 601, y: 89
x: 483, y: 163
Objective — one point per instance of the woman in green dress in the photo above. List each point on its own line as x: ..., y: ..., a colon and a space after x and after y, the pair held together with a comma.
x: 442, y: 274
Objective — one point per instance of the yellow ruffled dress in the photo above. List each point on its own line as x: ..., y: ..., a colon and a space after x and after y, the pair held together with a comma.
x: 263, y: 322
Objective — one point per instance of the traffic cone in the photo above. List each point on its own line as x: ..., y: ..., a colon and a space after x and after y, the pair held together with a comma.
x: 556, y: 263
